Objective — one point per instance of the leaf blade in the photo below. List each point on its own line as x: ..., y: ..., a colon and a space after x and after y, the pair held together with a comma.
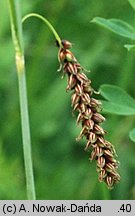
x: 132, y: 3
x: 132, y: 134
x: 117, y: 26
x: 117, y: 100
x: 112, y: 108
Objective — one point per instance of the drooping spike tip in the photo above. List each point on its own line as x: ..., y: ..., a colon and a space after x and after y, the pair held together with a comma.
x: 65, y: 44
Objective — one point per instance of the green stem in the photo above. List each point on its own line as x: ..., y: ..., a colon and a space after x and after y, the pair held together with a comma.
x: 16, y: 29
x: 46, y: 22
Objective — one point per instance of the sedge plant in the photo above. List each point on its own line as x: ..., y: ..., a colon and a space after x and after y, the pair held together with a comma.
x: 84, y: 104
x: 17, y: 37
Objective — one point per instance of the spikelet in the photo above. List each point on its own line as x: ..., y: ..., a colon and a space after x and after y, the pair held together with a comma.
x: 88, y: 109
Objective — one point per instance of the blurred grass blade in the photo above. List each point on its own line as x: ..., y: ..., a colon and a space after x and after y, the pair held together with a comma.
x: 132, y: 134
x: 130, y: 47
x: 118, y: 101
x: 117, y: 26
x: 132, y: 2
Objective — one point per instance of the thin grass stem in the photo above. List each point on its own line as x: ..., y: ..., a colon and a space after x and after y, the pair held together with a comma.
x: 46, y: 22
x: 17, y: 36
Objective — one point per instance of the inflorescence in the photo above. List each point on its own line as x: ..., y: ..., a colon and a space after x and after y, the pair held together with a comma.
x: 88, y: 109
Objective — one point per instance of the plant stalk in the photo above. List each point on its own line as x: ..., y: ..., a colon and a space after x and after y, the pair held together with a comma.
x: 17, y: 36
x: 46, y: 22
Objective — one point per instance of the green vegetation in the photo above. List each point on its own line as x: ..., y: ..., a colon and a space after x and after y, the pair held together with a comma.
x: 61, y: 166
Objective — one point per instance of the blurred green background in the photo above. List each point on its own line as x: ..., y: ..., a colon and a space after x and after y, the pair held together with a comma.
x: 61, y: 166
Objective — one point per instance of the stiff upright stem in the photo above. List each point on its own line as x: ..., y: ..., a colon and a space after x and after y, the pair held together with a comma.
x: 16, y: 29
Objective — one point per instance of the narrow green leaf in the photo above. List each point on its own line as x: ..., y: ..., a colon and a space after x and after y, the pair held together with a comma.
x: 130, y: 47
x: 117, y: 26
x: 132, y: 2
x: 132, y: 134
x: 118, y: 101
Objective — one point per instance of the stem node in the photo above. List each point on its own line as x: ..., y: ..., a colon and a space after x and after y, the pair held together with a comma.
x: 19, y: 62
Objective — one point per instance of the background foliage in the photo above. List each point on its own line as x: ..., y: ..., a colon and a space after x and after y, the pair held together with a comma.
x: 61, y: 167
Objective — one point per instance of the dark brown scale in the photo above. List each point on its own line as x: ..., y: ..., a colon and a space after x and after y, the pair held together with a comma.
x: 66, y: 44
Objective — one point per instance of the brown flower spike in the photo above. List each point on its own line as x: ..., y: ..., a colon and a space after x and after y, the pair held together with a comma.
x: 88, y: 109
